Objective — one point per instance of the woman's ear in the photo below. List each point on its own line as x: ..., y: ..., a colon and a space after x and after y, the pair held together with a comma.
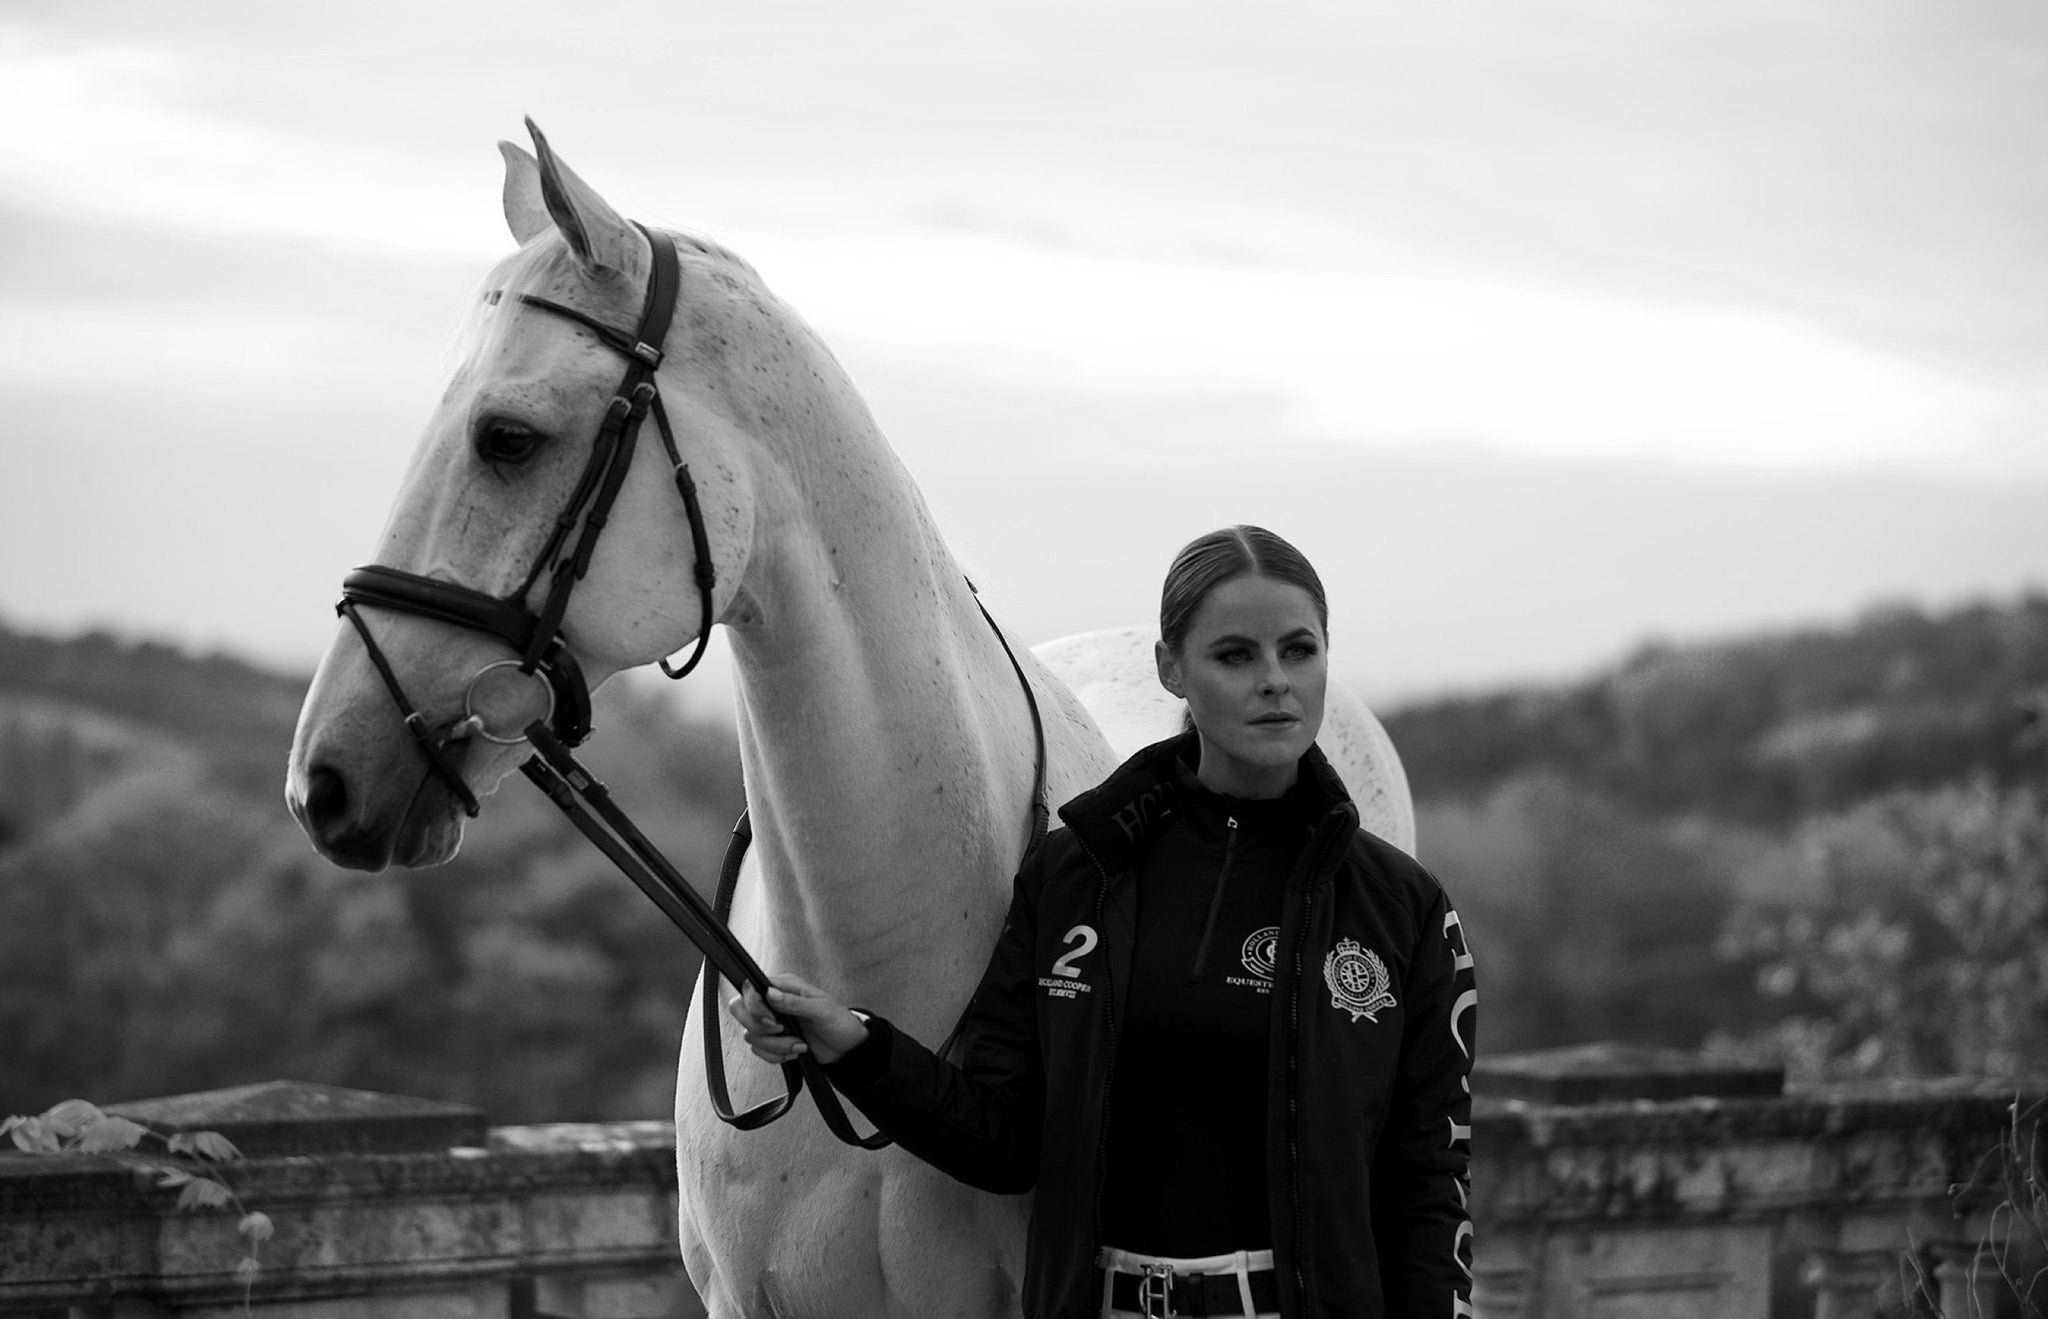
x: 1169, y: 668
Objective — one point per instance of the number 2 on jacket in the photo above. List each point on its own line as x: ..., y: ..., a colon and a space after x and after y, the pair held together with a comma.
x: 1065, y: 965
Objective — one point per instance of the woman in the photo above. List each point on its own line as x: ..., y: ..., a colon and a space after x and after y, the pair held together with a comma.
x: 1226, y: 1033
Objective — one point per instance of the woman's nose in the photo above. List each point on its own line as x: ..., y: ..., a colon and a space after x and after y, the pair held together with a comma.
x: 1273, y: 680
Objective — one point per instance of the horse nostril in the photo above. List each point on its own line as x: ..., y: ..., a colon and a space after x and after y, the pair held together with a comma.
x: 326, y: 802
x: 331, y: 817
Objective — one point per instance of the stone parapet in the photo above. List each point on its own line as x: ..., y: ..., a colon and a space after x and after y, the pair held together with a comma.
x: 1700, y: 1206
x: 570, y: 1220
x: 1714, y: 1207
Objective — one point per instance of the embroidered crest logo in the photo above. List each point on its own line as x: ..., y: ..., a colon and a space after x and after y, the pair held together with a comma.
x: 1358, y: 981
x: 1261, y: 952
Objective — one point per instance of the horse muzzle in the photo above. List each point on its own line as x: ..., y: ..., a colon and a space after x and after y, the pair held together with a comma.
x: 354, y: 821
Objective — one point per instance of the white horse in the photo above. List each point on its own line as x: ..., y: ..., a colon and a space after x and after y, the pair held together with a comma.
x: 885, y: 738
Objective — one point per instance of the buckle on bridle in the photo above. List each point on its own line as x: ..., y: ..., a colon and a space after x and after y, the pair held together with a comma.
x: 1155, y: 1286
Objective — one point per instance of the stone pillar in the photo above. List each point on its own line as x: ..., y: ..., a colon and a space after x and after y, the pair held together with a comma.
x: 652, y: 1294
x: 1845, y: 1283
x: 1969, y: 1283
x: 1501, y: 1291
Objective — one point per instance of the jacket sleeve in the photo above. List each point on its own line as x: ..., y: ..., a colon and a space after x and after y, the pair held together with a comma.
x: 978, y: 1121
x: 1421, y: 1183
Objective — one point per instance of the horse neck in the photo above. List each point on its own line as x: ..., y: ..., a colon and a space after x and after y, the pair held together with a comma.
x: 885, y: 739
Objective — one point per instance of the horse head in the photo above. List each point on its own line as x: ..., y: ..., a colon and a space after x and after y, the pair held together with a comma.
x: 499, y: 493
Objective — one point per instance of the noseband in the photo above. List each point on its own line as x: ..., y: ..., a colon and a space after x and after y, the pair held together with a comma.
x: 536, y: 635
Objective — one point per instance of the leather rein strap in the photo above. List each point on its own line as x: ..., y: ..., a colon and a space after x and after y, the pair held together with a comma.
x: 728, y: 884
x: 589, y: 806
x: 536, y: 637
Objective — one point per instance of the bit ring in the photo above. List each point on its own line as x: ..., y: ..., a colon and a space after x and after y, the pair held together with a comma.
x: 474, y: 722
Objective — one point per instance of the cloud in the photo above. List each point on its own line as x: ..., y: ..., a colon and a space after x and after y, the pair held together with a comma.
x: 1087, y: 245
x: 123, y: 130
x: 1366, y: 357
x: 147, y: 309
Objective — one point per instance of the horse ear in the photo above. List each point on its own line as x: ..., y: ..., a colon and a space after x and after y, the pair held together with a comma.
x: 525, y: 213
x: 599, y: 235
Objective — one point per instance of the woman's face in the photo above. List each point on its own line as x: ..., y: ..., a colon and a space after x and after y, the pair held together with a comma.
x: 1252, y: 668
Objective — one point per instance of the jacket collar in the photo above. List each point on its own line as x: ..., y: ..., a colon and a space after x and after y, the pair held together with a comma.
x: 1115, y: 819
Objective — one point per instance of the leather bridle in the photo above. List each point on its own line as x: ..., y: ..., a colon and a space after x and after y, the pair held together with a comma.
x: 536, y: 637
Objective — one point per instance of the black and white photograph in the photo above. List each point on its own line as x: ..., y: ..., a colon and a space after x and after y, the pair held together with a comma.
x: 1030, y: 661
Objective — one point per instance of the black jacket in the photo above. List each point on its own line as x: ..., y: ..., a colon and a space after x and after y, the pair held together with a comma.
x: 1368, y: 1103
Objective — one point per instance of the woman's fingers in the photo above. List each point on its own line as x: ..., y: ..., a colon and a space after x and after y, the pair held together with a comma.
x: 823, y: 1025
x: 779, y: 1049
x: 796, y: 998
x: 746, y: 1008
x: 760, y: 1025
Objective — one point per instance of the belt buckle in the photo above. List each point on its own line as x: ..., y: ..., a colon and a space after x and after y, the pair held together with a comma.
x: 1155, y: 1285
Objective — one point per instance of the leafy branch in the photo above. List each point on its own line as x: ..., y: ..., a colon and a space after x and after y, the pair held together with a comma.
x: 78, y: 1127
x: 2009, y: 1178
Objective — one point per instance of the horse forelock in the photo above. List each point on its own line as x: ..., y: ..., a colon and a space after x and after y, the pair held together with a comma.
x: 481, y: 328
x: 545, y: 267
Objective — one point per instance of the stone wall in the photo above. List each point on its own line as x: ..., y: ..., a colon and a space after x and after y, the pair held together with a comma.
x: 1819, y: 1201
x: 385, y: 1218
x: 1605, y: 1185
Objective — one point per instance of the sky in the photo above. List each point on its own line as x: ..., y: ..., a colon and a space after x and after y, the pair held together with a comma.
x: 1546, y: 327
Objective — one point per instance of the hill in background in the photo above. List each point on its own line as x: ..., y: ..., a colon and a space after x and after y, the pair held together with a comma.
x: 170, y: 929
x: 1607, y: 840
x: 1760, y: 731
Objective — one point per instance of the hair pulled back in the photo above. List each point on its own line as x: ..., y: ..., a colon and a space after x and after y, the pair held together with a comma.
x: 1207, y: 562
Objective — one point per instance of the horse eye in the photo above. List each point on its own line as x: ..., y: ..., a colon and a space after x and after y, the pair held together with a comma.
x: 505, y: 442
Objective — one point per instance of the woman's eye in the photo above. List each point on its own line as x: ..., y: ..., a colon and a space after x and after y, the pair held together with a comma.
x: 1302, y: 650
x: 1238, y: 656
x: 505, y: 442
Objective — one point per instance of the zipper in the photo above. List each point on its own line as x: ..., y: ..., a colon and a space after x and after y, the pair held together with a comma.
x: 1215, y: 901
x: 1322, y: 846
x: 1109, y: 1020
x: 1294, y: 1094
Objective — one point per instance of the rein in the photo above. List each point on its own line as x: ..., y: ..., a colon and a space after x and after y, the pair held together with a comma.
x: 544, y: 655
x: 728, y: 883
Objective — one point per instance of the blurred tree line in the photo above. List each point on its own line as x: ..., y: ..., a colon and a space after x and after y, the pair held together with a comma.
x: 1821, y: 847
x: 1760, y: 732
x: 1825, y: 846
x: 167, y: 927
x: 1921, y: 945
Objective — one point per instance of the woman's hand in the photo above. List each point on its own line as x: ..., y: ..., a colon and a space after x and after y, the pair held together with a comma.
x: 829, y: 1028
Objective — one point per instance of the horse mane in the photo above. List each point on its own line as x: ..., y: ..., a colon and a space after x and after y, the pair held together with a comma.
x: 711, y: 247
